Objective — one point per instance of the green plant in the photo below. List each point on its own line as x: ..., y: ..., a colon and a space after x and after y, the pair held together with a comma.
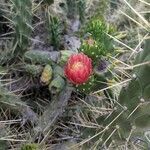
x: 71, y: 8
x: 54, y: 28
x: 21, y: 17
x: 3, y: 143
x: 81, y: 5
x: 130, y: 118
x: 97, y: 43
x: 32, y: 70
x: 49, y: 2
x: 40, y: 57
x: 30, y: 147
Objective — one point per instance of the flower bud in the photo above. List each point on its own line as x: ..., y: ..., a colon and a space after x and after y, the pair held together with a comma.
x: 57, y: 85
x: 46, y: 75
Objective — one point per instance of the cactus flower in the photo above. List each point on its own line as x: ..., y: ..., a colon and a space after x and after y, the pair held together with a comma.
x: 78, y: 68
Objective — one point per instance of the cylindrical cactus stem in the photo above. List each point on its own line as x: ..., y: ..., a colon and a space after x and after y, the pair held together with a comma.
x: 34, y: 70
x: 44, y: 57
x: 81, y: 8
x: 41, y: 57
x: 71, y: 9
x: 52, y: 113
x: 54, y: 28
x: 14, y: 103
x: 58, y: 82
x: 58, y: 71
x: 21, y: 17
x: 48, y: 2
x: 30, y: 147
x: 3, y: 133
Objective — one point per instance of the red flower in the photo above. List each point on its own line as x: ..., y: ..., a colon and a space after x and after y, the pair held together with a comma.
x: 78, y: 68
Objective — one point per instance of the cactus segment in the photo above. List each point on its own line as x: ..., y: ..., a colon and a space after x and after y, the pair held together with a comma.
x: 34, y: 70
x: 46, y: 75
x: 64, y: 55
x: 41, y: 57
x: 54, y: 29
x: 57, y: 85
x: 22, y: 21
x: 97, y: 43
x: 30, y: 147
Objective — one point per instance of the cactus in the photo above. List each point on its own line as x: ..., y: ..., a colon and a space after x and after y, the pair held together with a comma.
x: 52, y: 113
x: 22, y: 22
x: 41, y: 57
x: 14, y: 103
x: 54, y: 28
x: 46, y: 75
x: 97, y: 43
x: 93, y: 84
x: 58, y: 71
x: 58, y: 82
x: 130, y: 119
x: 76, y: 8
x: 81, y: 5
x: 98, y: 80
x: 3, y: 25
x: 3, y: 143
x: 33, y: 70
x: 64, y: 55
x: 48, y: 2
x: 12, y: 100
x: 71, y: 8
x: 57, y: 85
x: 30, y: 147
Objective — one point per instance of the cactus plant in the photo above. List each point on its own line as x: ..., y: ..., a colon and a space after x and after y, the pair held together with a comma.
x: 130, y: 119
x: 30, y: 147
x: 22, y: 22
x: 71, y: 8
x: 46, y: 75
x: 48, y: 2
x: 33, y: 70
x: 54, y: 28
x: 81, y: 5
x: 58, y: 82
x: 97, y: 43
x: 57, y: 85
x: 41, y: 57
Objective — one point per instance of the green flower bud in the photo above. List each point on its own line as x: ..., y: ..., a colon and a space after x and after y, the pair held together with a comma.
x: 57, y: 85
